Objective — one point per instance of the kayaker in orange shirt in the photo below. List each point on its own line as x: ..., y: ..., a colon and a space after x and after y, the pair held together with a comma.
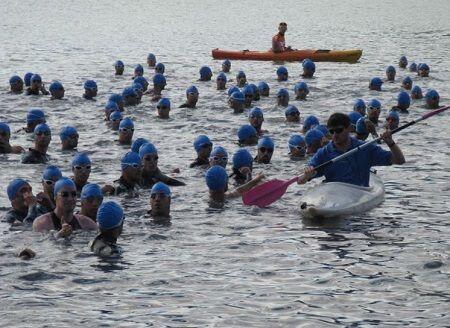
x: 278, y: 41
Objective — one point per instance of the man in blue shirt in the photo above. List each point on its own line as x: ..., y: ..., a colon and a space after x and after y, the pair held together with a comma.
x: 354, y: 169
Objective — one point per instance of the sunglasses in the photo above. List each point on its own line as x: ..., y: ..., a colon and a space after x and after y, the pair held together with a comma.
x: 256, y: 116
x: 49, y: 182
x: 373, y: 108
x: 133, y: 165
x: 163, y: 107
x: 80, y: 167
x: 74, y: 136
x: 67, y: 194
x: 155, y: 195
x: 116, y: 120
x: 300, y: 148
x: 150, y: 158
x: 127, y: 129
x: 193, y: 94
x: 40, y: 133
x: 335, y: 130
x: 219, y: 159
x: 265, y: 150
x: 206, y: 145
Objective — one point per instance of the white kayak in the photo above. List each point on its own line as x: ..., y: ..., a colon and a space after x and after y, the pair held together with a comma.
x: 334, y: 199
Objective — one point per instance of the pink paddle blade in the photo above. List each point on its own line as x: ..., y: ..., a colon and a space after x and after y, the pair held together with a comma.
x: 267, y: 193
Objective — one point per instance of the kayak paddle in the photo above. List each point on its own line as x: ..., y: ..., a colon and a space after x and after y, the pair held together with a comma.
x: 265, y: 194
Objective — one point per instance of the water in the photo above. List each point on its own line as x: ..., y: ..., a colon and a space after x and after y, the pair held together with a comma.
x: 237, y: 266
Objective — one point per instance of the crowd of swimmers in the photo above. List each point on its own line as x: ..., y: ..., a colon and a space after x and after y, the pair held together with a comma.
x: 53, y: 209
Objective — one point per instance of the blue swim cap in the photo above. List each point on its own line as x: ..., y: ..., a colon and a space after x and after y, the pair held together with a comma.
x: 81, y: 159
x: 247, y: 90
x: 432, y: 94
x: 266, y: 142
x: 359, y: 105
x: 222, y: 76
x: 354, y: 117
x: 390, y: 69
x: 90, y: 85
x: 407, y: 79
x: 126, y: 123
x: 115, y: 97
x: 238, y: 96
x: 374, y: 104
x: 192, y: 89
x: 246, y: 131
x: 263, y: 86
x: 130, y: 158
x: 160, y: 188
x: 309, y: 65
x: 216, y: 178
x: 27, y: 79
x: 240, y: 74
x: 5, y: 127
x: 226, y: 62
x: 403, y: 58
x: 91, y: 190
x: 295, y: 140
x: 164, y: 102
x: 283, y: 92
x: 394, y: 115
x: 66, y: 132
x: 232, y: 90
x: 291, y: 110
x: 242, y: 158
x: 129, y: 92
x: 310, y: 122
x: 255, y: 112
x: 376, y: 81
x: 55, y: 85
x: 301, y: 86
x: 322, y: 128
x: 139, y: 68
x: 109, y: 215
x: 42, y: 128
x: 63, y: 182
x: 159, y: 79
x: 35, y: 114
x: 14, y: 186
x: 151, y: 56
x: 35, y: 78
x: 14, y: 79
x: 137, y: 144
x: 413, y: 67
x: 141, y: 80
x: 116, y: 115
x: 138, y: 87
x: 282, y: 70
x: 313, y: 135
x: 160, y: 67
x: 201, y: 141
x: 361, y: 126
x: 219, y: 150
x: 416, y: 90
x: 119, y: 63
x: 424, y: 67
x: 403, y: 98
x: 205, y: 71
x: 111, y: 106
x: 147, y: 148
x: 51, y: 172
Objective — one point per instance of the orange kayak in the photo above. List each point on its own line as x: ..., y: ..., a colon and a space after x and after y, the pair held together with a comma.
x: 350, y: 56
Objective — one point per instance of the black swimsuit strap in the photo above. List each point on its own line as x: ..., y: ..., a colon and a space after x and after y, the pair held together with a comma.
x: 57, y: 222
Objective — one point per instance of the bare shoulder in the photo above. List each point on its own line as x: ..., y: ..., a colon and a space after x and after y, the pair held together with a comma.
x: 85, y: 222
x: 43, y: 223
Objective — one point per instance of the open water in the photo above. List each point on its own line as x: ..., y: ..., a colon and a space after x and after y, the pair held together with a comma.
x: 239, y: 266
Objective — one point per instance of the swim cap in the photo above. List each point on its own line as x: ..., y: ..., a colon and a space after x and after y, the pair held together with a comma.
x: 413, y: 67
x: 142, y: 81
x: 14, y: 186
x: 218, y: 150
x: 238, y: 96
x: 160, y: 188
x: 192, y: 89
x: 51, y: 172
x: 322, y: 128
x: 111, y: 106
x: 126, y: 123
x: 283, y: 92
x: 361, y: 126
x: 115, y: 97
x: 90, y: 85
x: 232, y: 89
x: 247, y: 90
x: 310, y: 122
x: 41, y: 128
x: 216, y: 178
x: 91, y: 190
x: 5, y: 127
x: 301, y: 86
x: 295, y: 140
x: 394, y: 115
x: 116, y: 115
x: 266, y: 142
x: 66, y: 132
x: 246, y: 131
x: 432, y: 94
x: 403, y: 59
x: 159, y: 79
x: 129, y: 92
x: 222, y: 76
x: 109, y: 215
x: 201, y: 141
x: 407, y: 79
x: 240, y: 74
x: 35, y: 114
x: 160, y: 68
x: 137, y: 144
x: 81, y: 159
x: 14, y: 79
x: 254, y: 87
x: 226, y: 62
x: 282, y: 70
x: 64, y: 182
x: 205, y: 71
x: 35, y: 78
x: 390, y: 69
x: 376, y: 81
x: 130, y: 158
x: 138, y: 87
x: 164, y: 102
x: 359, y: 105
x: 354, y: 117
x: 55, y: 85
x: 374, y: 104
x: 151, y: 56
x: 291, y: 110
x: 309, y: 65
x: 423, y: 67
x: 27, y: 79
x: 139, y: 69
x: 255, y: 112
x: 118, y: 63
x: 313, y: 135
x: 403, y: 98
x: 263, y: 86
x: 147, y: 148
x: 242, y: 158
x: 416, y: 90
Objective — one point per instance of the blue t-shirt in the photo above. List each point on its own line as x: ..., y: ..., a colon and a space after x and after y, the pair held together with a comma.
x: 354, y: 169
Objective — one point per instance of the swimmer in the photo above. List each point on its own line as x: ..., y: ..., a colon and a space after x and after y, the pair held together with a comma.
x: 282, y: 74
x: 390, y: 73
x: 137, y: 144
x: 241, y: 79
x: 413, y: 67
x: 256, y: 95
x: 142, y: 81
x: 373, y: 111
x: 301, y: 90
x: 242, y: 166
x: 205, y: 73
x: 114, y: 120
x: 81, y: 169
x: 35, y: 116
x: 62, y: 218
x: 163, y: 108
x: 191, y: 97
x: 27, y: 79
x: 151, y: 60
x: 247, y: 135
x: 16, y: 84
x: 160, y: 199
x: 130, y: 177
x: 407, y: 83
x: 432, y: 99
x: 403, y: 62
x: 297, y: 147
x: 50, y: 176
x: 256, y: 119
x: 392, y: 120
x: 354, y: 117
x: 110, y: 220
x: 423, y: 70
x: 138, y: 71
x: 36, y: 86
x: 221, y: 81
x: 264, y: 89
x: 126, y: 131
x: 309, y: 123
x: 91, y: 199
x: 5, y: 146
x: 203, y: 147
x: 309, y: 68
x: 38, y: 154
x: 160, y: 68
x: 232, y: 89
x: 139, y: 89
x: 403, y: 102
x: 130, y: 97
x: 226, y: 66
x: 237, y: 102
x: 159, y: 83
x: 364, y: 127
x: 110, y: 107
x: 69, y: 138
x: 56, y: 90
x: 265, y: 150
x: 118, y: 99
x: 292, y: 114
x: 218, y: 156
x: 278, y: 40
x: 360, y: 106
x: 151, y: 173
x: 314, y: 140
x: 283, y: 97
x: 90, y: 90
x: 375, y: 84
x: 416, y: 92
x: 248, y: 95
x: 119, y: 67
